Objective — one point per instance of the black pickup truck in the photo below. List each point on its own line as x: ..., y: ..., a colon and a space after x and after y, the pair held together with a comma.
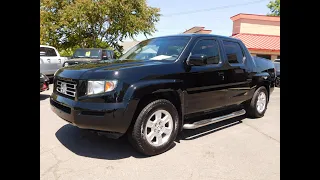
x: 84, y: 55
x: 154, y: 90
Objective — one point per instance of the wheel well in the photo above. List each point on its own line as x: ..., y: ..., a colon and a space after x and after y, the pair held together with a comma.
x: 171, y: 96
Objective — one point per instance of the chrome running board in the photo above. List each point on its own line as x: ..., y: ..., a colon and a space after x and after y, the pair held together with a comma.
x: 206, y: 122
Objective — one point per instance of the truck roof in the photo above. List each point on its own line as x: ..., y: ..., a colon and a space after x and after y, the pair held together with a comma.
x: 47, y: 46
x: 201, y: 35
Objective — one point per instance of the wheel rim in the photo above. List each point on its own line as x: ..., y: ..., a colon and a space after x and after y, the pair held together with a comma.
x: 261, y: 102
x: 158, y: 128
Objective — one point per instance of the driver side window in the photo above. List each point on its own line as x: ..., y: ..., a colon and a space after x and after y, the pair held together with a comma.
x: 209, y: 48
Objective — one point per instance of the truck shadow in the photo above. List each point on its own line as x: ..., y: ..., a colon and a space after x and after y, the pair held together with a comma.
x: 88, y: 144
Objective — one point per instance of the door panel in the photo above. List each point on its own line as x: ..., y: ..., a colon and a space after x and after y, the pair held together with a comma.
x: 239, y: 85
x: 205, y: 85
x: 206, y: 89
x: 44, y: 66
x: 59, y: 62
x: 238, y: 75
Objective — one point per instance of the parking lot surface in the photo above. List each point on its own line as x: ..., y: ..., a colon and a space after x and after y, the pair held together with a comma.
x: 235, y: 149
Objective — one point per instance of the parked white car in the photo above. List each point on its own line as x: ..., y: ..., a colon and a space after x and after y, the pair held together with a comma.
x: 50, y: 60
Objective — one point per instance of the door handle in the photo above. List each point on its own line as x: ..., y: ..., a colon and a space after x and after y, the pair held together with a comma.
x: 48, y: 60
x: 59, y: 61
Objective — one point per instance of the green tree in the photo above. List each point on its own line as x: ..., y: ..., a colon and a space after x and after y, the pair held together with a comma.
x: 67, y: 24
x: 274, y: 7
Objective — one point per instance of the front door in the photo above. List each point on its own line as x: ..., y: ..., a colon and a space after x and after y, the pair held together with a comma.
x: 205, y: 85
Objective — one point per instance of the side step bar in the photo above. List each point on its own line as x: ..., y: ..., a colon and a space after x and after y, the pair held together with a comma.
x: 206, y: 122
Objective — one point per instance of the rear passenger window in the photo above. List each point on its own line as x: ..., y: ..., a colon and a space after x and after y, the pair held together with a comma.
x: 233, y: 51
x: 51, y: 52
x: 208, y: 47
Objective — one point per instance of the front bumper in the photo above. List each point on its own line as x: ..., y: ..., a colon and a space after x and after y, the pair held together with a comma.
x: 108, y: 117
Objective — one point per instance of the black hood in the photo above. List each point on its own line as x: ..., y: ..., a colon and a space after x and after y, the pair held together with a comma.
x: 101, y: 69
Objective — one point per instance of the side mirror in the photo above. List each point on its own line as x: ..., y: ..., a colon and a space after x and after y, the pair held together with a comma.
x: 197, y: 60
x: 42, y: 53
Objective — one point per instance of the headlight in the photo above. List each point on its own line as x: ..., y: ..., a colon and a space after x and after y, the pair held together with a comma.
x: 96, y: 87
x: 65, y: 64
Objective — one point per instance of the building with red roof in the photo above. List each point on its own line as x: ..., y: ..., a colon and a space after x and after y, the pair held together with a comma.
x: 260, y: 33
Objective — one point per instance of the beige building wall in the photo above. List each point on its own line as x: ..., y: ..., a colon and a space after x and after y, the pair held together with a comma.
x: 236, y: 26
x: 256, y: 24
x: 252, y: 26
x: 274, y: 54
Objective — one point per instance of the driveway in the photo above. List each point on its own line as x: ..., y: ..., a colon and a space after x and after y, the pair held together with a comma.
x: 236, y: 149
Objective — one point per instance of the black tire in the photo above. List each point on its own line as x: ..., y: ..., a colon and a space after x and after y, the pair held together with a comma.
x: 251, y: 108
x: 136, y: 133
x: 278, y: 82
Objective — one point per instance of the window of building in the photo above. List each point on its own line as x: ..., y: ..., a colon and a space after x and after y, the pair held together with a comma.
x: 208, y: 47
x: 264, y: 56
x: 233, y: 51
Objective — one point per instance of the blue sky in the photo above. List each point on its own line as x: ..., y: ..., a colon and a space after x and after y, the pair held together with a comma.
x: 217, y: 20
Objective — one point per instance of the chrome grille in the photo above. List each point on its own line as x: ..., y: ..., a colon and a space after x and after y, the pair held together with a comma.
x: 67, y: 88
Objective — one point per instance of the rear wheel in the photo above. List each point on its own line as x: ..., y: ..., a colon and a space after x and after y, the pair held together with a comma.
x: 155, y: 128
x: 258, y: 104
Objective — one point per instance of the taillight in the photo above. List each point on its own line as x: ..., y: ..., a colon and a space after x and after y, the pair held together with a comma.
x: 44, y: 86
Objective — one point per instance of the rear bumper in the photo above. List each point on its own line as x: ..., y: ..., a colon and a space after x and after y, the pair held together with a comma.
x: 109, y: 117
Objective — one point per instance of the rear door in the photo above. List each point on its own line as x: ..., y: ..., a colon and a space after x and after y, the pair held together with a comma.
x: 206, y: 87
x: 239, y: 75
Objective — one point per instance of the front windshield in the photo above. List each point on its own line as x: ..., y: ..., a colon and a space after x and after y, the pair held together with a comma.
x: 87, y: 53
x: 163, y: 48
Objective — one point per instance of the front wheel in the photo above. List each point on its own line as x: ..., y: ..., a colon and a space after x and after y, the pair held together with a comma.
x: 155, y: 128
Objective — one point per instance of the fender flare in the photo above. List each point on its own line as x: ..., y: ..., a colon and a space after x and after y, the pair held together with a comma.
x: 137, y: 91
